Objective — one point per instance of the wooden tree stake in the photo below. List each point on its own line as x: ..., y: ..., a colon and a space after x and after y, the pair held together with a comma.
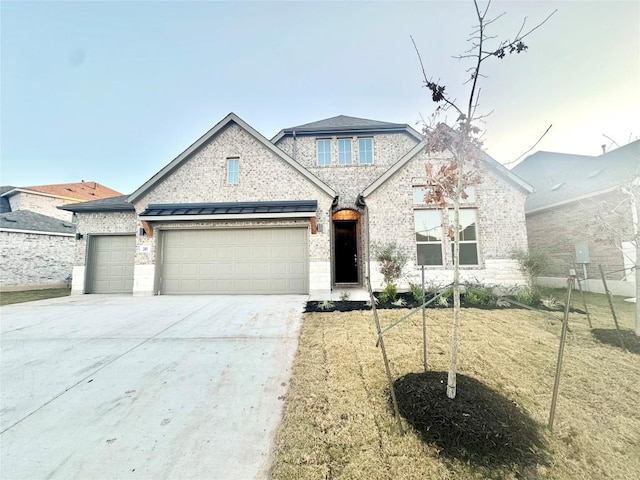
x: 613, y: 312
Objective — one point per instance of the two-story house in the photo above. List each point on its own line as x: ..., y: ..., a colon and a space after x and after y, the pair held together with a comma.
x: 238, y: 213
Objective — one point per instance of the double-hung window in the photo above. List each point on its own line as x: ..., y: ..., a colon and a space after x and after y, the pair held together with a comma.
x: 233, y: 171
x: 324, y: 151
x: 431, y: 239
x: 344, y: 151
x: 428, y: 229
x: 468, y: 237
x: 365, y: 151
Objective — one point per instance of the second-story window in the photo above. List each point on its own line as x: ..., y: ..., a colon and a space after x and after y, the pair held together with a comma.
x: 365, y: 151
x: 344, y: 151
x: 324, y: 151
x: 233, y: 171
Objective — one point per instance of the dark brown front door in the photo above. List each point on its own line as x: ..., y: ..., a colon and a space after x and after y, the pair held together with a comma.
x: 345, y: 251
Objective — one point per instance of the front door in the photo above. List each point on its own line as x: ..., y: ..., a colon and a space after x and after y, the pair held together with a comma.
x: 345, y: 251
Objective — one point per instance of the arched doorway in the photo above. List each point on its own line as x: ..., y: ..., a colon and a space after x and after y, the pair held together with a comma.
x: 346, y: 247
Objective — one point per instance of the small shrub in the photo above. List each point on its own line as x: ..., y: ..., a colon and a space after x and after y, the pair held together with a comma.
x: 326, y: 305
x: 532, y: 263
x: 416, y: 292
x: 391, y: 259
x: 551, y: 303
x: 389, y: 294
x: 477, y: 294
x: 528, y: 296
x: 400, y: 302
x: 444, y: 300
x: 344, y: 296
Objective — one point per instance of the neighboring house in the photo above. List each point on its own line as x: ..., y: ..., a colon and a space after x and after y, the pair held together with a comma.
x: 581, y: 214
x: 238, y: 213
x: 37, y: 240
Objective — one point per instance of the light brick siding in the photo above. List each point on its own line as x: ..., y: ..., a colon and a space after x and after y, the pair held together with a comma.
x: 350, y: 180
x: 101, y: 223
x: 35, y: 261
x: 40, y: 204
x: 500, y: 217
x: 557, y: 230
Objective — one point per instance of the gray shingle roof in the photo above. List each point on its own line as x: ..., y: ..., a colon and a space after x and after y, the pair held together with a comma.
x: 345, y: 122
x: 560, y: 177
x: 112, y: 204
x: 27, y: 220
x: 226, y: 208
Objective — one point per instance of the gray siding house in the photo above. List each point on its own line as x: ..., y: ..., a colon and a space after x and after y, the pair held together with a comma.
x: 239, y: 213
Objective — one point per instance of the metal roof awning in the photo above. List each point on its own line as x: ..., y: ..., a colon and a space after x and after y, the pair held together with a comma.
x: 230, y: 210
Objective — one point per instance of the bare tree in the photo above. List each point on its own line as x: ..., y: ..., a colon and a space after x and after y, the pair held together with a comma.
x: 462, y: 143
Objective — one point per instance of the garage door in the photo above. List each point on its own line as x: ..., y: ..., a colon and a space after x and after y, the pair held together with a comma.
x: 111, y: 261
x: 240, y: 261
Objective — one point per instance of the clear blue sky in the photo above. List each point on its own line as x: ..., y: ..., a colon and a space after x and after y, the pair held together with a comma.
x: 112, y: 91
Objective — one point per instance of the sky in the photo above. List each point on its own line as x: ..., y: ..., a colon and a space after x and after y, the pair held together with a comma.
x: 112, y: 91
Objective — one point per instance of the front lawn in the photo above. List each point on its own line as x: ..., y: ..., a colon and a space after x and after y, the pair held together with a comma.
x: 338, y: 423
x: 30, y: 295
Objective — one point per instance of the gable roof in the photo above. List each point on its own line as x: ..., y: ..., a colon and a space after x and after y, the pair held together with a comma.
x: 25, y: 221
x: 231, y: 118
x: 489, y: 161
x: 343, y: 124
x: 5, y: 206
x: 71, y: 191
x: 112, y: 204
x: 562, y: 178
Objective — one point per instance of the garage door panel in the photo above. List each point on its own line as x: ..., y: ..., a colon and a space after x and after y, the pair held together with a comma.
x: 250, y: 261
x: 111, y: 264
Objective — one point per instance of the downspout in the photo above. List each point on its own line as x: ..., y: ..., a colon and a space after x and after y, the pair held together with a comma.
x: 332, y: 252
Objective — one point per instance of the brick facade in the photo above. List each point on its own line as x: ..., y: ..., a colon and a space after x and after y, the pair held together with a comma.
x: 500, y: 226
x: 44, y: 204
x: 32, y: 261
x: 264, y: 176
x: 601, y: 222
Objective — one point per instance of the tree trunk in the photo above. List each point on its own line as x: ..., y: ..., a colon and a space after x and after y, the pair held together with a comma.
x: 453, y: 361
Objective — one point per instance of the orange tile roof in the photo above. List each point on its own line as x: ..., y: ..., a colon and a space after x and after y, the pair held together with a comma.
x: 84, y: 190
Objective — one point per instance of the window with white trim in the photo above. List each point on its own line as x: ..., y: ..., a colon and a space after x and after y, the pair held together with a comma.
x: 233, y: 171
x: 324, y: 151
x: 468, y: 237
x: 429, y: 240
x: 344, y: 151
x: 365, y: 151
x: 433, y: 245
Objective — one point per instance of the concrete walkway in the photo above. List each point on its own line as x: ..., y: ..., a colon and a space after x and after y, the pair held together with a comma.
x: 112, y: 387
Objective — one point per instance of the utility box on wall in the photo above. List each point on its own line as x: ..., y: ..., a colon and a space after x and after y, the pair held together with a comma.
x: 582, y: 253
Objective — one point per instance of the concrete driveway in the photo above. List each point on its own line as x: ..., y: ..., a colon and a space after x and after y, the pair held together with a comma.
x: 116, y: 387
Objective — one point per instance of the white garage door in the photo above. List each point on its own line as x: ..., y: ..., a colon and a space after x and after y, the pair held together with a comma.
x: 111, y: 260
x: 240, y: 261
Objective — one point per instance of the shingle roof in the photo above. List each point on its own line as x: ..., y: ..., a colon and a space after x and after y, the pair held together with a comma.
x: 27, y: 220
x: 75, y: 191
x: 343, y: 124
x: 5, y: 206
x: 230, y: 208
x: 112, y: 204
x: 560, y: 177
x: 343, y: 121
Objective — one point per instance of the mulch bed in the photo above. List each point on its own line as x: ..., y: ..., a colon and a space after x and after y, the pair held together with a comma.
x: 610, y: 337
x: 480, y: 425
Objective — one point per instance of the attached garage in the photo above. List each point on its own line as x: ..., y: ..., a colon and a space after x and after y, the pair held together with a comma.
x: 110, y: 263
x: 235, y: 261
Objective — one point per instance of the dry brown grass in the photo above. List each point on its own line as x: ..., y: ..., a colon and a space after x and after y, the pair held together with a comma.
x: 337, y: 422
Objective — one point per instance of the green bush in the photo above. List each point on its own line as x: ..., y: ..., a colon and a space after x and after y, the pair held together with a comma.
x: 528, y: 296
x: 532, y: 263
x: 391, y: 259
x: 389, y: 294
x: 482, y: 295
x: 416, y: 292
